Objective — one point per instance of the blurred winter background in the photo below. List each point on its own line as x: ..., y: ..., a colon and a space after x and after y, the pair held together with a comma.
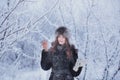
x: 94, y: 26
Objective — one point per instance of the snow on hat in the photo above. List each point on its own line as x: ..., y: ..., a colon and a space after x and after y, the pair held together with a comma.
x: 62, y: 31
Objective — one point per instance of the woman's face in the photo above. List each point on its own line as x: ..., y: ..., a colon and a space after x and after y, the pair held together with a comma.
x: 61, y: 39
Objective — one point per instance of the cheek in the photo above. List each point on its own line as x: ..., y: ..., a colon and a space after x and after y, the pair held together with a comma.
x: 58, y: 39
x: 64, y: 40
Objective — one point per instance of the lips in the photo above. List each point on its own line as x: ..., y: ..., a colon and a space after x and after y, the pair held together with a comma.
x: 61, y: 41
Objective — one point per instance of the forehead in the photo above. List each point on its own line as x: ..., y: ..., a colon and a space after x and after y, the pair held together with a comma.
x: 61, y: 36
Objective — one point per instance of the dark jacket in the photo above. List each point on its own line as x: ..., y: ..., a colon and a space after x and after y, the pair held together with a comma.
x: 62, y: 67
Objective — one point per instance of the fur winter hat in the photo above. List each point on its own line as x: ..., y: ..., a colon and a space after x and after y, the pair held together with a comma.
x: 62, y: 31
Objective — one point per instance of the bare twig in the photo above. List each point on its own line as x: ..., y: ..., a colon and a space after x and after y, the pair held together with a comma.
x: 46, y: 12
x: 10, y: 13
x: 116, y: 72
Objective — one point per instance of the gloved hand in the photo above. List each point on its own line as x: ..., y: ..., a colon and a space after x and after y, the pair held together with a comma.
x: 79, y: 63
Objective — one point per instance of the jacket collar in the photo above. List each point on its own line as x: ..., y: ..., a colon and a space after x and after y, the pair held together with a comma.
x: 61, y: 47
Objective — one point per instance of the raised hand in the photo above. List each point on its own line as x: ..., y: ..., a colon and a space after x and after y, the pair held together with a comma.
x: 45, y: 45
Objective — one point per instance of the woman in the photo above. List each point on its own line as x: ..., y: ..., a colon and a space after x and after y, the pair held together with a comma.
x: 61, y: 57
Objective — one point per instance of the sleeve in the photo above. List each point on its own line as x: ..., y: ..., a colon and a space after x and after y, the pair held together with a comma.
x: 45, y: 60
x: 73, y: 61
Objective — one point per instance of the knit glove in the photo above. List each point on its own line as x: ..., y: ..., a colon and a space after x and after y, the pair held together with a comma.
x: 79, y: 63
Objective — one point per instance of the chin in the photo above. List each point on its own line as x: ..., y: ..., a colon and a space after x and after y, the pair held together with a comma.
x: 61, y: 43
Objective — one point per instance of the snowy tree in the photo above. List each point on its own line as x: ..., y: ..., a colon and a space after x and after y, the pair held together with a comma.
x: 94, y: 26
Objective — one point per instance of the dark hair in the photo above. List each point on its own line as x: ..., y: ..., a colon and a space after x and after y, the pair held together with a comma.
x: 67, y: 44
